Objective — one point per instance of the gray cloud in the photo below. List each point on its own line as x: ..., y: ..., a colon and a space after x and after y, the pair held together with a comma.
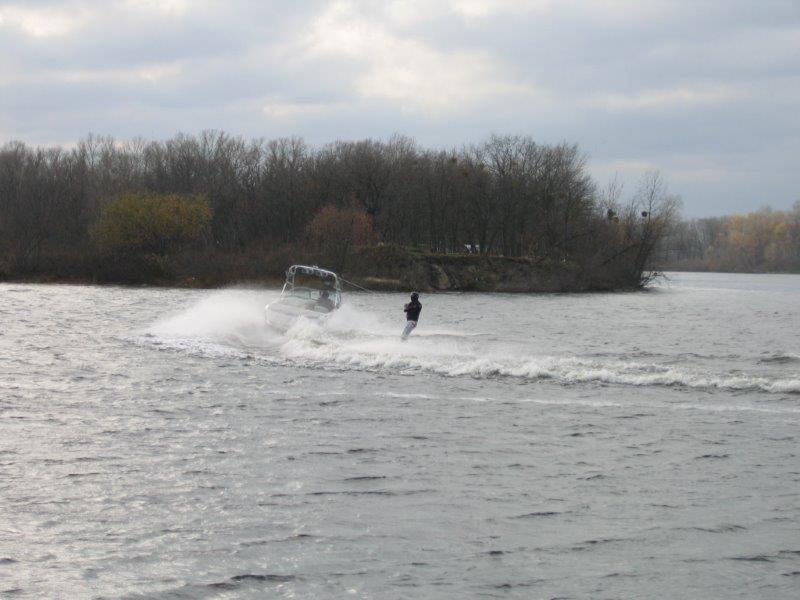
x: 705, y: 91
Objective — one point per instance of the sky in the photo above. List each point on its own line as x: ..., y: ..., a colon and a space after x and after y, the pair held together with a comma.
x: 705, y: 91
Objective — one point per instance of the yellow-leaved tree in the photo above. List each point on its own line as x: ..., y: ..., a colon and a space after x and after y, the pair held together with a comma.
x: 147, y: 223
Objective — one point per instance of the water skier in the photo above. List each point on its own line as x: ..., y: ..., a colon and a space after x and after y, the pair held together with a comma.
x: 412, y: 310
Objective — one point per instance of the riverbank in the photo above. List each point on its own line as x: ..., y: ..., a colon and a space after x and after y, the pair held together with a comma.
x: 382, y: 268
x: 392, y: 268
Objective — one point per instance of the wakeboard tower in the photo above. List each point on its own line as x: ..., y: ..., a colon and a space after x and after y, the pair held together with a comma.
x: 308, y: 292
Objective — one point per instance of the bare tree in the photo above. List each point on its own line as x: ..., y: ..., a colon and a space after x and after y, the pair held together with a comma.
x: 508, y: 196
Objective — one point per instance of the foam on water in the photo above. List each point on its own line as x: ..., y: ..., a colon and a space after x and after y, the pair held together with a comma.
x: 456, y: 361
x: 230, y: 323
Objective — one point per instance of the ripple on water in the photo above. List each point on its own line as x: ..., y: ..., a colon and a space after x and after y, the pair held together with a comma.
x: 250, y: 582
x: 722, y: 528
x: 197, y: 432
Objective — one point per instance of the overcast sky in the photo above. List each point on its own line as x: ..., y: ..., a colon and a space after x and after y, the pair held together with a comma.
x: 706, y: 91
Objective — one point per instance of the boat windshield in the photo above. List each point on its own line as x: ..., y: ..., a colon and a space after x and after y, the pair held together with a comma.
x: 313, y: 285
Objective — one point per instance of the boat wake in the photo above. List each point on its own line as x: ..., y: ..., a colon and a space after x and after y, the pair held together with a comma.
x: 230, y: 324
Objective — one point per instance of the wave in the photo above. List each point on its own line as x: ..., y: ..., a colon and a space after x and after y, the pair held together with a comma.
x: 230, y: 324
x: 448, y: 361
x: 192, y: 346
x: 781, y: 359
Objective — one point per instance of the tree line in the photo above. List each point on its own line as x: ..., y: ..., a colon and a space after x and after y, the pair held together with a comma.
x: 763, y: 241
x: 508, y: 196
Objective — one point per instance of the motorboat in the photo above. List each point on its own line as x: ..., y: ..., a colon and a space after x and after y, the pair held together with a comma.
x: 308, y: 292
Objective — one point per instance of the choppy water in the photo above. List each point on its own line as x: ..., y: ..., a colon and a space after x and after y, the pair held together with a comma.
x: 164, y: 444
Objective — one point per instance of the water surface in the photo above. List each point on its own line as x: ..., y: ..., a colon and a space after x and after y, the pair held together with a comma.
x: 165, y: 444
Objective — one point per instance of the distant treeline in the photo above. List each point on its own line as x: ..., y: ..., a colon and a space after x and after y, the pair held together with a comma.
x: 221, y: 208
x: 763, y: 241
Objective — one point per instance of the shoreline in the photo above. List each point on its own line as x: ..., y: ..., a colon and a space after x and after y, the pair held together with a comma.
x: 366, y: 282
x: 377, y: 268
x: 369, y: 285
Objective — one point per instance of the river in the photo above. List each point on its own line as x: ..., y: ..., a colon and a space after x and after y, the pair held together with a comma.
x: 162, y: 443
